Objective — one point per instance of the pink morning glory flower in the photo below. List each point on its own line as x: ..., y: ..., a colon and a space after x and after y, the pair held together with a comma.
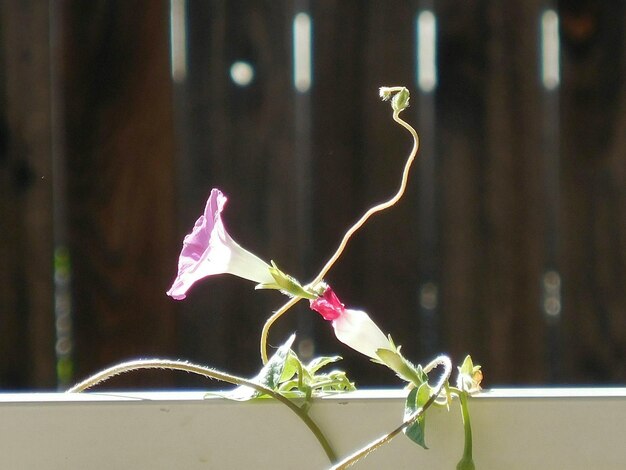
x: 354, y: 328
x: 209, y: 250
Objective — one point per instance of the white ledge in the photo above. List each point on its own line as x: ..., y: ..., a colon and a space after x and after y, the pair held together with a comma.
x: 543, y: 428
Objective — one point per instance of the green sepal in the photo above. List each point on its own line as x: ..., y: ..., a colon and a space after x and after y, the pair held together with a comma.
x: 286, y: 284
x: 400, y: 100
x: 468, y: 367
x: 469, y: 377
x: 415, y: 400
x: 401, y: 366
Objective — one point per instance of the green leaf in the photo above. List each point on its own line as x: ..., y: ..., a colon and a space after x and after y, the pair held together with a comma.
x: 272, y: 371
x: 339, y: 382
x: 415, y: 400
x: 292, y: 365
x: 319, y: 362
x: 269, y: 375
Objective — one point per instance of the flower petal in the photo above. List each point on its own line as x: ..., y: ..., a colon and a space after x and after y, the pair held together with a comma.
x: 209, y: 250
x: 357, y: 330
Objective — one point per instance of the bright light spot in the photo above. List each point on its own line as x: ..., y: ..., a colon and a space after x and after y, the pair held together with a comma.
x: 429, y: 296
x: 306, y: 348
x: 426, y: 25
x: 552, y: 293
x: 242, y: 73
x: 550, y: 47
x: 302, y: 55
x: 178, y: 39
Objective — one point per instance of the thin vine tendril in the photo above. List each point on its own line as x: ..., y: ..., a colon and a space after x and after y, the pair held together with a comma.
x: 351, y: 231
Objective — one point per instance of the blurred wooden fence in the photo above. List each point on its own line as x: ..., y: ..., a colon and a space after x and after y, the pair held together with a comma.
x: 509, y: 244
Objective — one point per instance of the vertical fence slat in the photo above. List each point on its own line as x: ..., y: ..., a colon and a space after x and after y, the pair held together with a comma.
x: 593, y: 189
x: 489, y: 136
x: 120, y: 194
x: 26, y: 209
x: 241, y: 140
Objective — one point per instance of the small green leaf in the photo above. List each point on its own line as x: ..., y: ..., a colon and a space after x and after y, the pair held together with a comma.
x: 415, y: 400
x: 288, y: 386
x: 272, y: 371
x: 292, y: 365
x: 337, y: 381
x: 319, y: 362
x: 269, y: 375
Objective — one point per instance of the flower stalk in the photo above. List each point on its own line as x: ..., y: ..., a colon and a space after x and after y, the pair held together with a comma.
x: 365, y: 451
x: 466, y: 462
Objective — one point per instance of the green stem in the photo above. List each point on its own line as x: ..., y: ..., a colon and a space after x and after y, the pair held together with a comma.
x: 467, y: 462
x: 270, y: 321
x: 206, y: 372
x: 362, y: 453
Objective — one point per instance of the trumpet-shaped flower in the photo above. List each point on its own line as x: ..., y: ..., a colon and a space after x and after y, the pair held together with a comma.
x: 354, y: 328
x: 209, y: 250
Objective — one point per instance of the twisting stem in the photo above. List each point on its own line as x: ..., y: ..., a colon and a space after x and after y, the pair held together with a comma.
x: 379, y: 207
x: 364, y: 218
x: 206, y: 372
x: 352, y: 459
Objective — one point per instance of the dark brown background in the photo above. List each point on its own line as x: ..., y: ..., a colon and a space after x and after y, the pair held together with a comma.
x: 102, y: 153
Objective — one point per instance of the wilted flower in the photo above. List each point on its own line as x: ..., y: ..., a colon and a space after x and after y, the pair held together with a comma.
x: 209, y: 250
x: 354, y: 328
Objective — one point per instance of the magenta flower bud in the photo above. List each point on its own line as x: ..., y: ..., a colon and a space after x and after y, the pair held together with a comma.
x: 328, y: 305
x: 353, y: 328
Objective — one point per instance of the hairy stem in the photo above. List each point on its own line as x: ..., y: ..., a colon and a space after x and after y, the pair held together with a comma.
x: 362, y: 453
x: 129, y: 366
